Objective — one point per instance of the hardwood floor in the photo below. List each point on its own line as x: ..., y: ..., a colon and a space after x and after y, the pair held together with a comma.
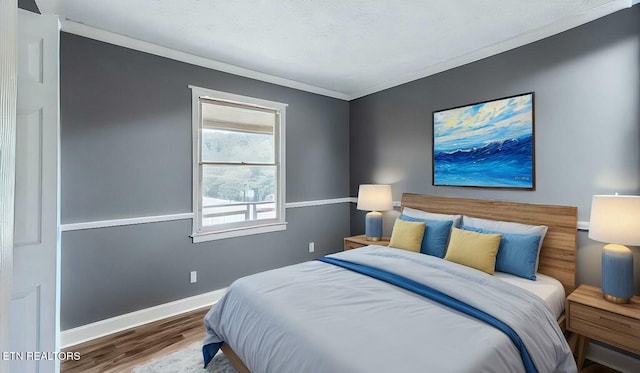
x: 120, y: 352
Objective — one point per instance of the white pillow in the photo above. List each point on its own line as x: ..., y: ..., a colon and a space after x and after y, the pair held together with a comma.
x: 508, y: 227
x: 419, y: 214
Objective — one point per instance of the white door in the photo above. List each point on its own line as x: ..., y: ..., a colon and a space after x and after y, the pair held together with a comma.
x: 8, y: 96
x: 34, y: 309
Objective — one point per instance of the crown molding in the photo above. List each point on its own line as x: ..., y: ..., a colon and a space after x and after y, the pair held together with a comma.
x: 515, y: 42
x: 401, y: 78
x: 158, y: 50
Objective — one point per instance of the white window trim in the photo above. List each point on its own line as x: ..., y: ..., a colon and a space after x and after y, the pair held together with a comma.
x: 281, y: 224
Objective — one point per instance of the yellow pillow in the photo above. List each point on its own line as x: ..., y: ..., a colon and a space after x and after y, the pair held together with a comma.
x: 407, y: 235
x: 473, y: 249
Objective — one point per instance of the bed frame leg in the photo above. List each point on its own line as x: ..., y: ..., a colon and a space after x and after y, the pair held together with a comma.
x: 234, y: 359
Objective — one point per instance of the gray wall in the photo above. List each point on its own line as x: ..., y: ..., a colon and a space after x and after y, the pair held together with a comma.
x: 587, y: 123
x: 125, y: 148
x: 126, y: 152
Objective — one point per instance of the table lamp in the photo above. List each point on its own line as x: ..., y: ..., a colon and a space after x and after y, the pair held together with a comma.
x: 374, y: 198
x: 616, y: 220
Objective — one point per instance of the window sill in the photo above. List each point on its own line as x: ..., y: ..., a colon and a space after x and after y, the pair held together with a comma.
x: 238, y: 232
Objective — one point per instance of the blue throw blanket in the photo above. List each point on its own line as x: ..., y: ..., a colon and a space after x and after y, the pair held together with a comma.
x: 441, y: 298
x: 209, y: 351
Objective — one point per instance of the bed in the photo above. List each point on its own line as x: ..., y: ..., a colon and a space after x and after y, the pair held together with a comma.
x: 325, y: 316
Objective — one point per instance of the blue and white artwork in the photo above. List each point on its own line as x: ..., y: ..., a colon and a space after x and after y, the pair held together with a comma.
x: 489, y: 144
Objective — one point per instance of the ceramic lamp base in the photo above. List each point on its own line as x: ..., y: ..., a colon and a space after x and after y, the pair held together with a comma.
x: 617, y: 273
x: 616, y: 300
x: 373, y: 226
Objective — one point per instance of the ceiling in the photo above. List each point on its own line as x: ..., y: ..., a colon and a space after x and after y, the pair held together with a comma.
x: 339, y: 48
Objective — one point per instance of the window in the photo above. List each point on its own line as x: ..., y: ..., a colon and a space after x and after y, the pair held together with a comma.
x: 238, y: 165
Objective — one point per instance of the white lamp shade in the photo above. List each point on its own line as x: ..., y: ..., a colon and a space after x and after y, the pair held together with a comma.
x: 374, y: 197
x: 615, y: 219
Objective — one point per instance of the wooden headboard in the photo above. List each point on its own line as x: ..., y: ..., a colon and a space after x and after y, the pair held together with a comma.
x: 558, y: 253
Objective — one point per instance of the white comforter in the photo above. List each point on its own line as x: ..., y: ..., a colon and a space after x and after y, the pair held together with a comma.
x: 317, y: 317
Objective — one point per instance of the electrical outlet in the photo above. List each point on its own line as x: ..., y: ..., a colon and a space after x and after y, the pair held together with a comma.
x: 194, y: 277
x: 312, y: 247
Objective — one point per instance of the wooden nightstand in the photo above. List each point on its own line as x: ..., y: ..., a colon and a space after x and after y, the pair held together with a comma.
x: 592, y: 317
x: 355, y: 242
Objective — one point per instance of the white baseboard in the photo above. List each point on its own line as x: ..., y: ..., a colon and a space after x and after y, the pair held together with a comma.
x: 613, y: 359
x: 84, y: 333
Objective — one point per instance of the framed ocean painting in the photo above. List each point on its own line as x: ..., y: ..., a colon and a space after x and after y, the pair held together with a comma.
x: 489, y: 144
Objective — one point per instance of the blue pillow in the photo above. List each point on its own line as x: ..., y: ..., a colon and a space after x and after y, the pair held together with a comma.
x: 517, y: 253
x: 436, y: 235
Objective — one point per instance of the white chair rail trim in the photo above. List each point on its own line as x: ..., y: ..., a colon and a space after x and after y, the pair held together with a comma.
x: 582, y: 225
x: 181, y: 216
